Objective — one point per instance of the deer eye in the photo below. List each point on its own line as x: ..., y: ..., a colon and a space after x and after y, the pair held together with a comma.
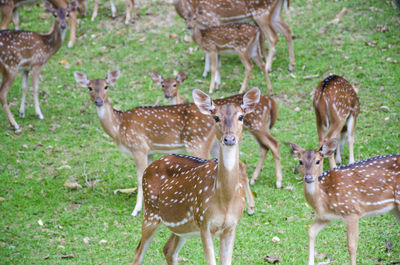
x: 105, y: 87
x: 216, y: 118
x: 241, y: 117
x: 90, y: 89
x: 300, y: 162
x: 318, y: 161
x: 174, y: 85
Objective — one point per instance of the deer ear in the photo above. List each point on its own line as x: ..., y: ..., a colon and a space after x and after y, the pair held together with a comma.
x: 328, y: 148
x: 157, y: 78
x: 250, y: 100
x: 49, y: 7
x: 73, y: 6
x: 112, y: 77
x: 295, y: 149
x: 181, y: 76
x: 203, y: 102
x: 81, y: 79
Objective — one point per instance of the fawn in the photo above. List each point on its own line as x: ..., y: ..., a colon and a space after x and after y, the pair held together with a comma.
x: 366, y: 188
x: 336, y: 107
x: 246, y: 40
x: 197, y: 197
x: 29, y: 51
x: 130, y: 10
x: 170, y: 86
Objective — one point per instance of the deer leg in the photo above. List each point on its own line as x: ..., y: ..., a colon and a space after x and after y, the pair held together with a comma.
x: 227, y: 240
x: 213, y: 60
x: 6, y: 84
x: 287, y: 33
x: 260, y: 63
x: 352, y: 237
x: 15, y: 18
x: 129, y: 7
x: 218, y: 72
x: 208, y: 246
x: 95, y: 9
x: 6, y: 11
x: 141, y: 164
x: 334, y: 131
x: 35, y: 85
x: 244, y: 57
x: 339, y: 150
x: 72, y: 31
x: 351, y: 124
x: 113, y: 9
x: 206, y: 65
x: 315, y: 228
x: 24, y: 90
x: 148, y: 230
x: 256, y: 173
x: 172, y: 247
x: 320, y: 128
x: 264, y: 23
x: 245, y: 182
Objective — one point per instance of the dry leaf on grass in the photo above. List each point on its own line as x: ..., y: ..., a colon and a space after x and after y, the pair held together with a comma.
x: 67, y: 256
x: 64, y: 166
x: 63, y: 61
x: 272, y: 259
x: 321, y: 255
x: 86, y: 240
x: 275, y: 239
x: 72, y: 185
x: 2, y: 199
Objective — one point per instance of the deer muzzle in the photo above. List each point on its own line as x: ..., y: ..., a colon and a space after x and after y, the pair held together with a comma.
x: 98, y: 102
x: 230, y: 140
x: 308, y: 179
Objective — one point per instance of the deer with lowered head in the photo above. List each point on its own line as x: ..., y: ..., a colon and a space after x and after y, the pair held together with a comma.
x: 258, y: 123
x: 265, y: 13
x: 142, y: 131
x: 130, y: 10
x: 197, y: 197
x: 28, y: 52
x: 336, y: 107
x: 348, y: 193
x: 9, y: 11
x: 246, y: 40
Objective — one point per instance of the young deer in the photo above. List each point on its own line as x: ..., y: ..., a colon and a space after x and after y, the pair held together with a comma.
x: 265, y: 13
x: 25, y: 51
x: 170, y: 86
x: 130, y: 10
x: 9, y: 12
x: 348, y: 193
x: 245, y: 39
x: 336, y: 107
x: 206, y: 196
x: 142, y: 131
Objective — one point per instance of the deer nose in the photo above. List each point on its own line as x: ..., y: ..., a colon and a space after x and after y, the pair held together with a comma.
x: 98, y: 102
x: 189, y: 27
x: 308, y: 179
x: 167, y: 95
x: 230, y: 140
x: 63, y: 25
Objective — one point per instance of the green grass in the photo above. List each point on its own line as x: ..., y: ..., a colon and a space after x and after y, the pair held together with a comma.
x: 30, y: 164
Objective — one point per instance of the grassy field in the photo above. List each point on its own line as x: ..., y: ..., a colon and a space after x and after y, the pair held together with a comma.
x: 43, y: 222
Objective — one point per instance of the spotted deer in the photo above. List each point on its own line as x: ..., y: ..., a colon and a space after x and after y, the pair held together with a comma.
x: 143, y: 131
x: 366, y: 188
x: 265, y: 13
x: 9, y: 11
x: 336, y: 107
x: 130, y: 10
x: 29, y: 51
x: 206, y: 196
x: 170, y: 86
x: 246, y: 40
x: 258, y: 123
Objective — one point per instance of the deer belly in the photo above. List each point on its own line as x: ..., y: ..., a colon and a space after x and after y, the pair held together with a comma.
x: 159, y: 148
x: 379, y: 211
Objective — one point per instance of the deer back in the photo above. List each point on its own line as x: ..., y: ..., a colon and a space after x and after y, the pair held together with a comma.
x: 368, y: 187
x: 335, y: 97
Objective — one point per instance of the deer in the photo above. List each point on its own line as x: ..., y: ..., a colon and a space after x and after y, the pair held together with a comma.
x: 258, y: 123
x: 143, y: 131
x: 170, y: 86
x: 9, y: 11
x: 265, y: 13
x: 28, y: 52
x: 336, y: 107
x: 349, y: 192
x: 206, y: 196
x: 246, y: 40
x: 130, y: 10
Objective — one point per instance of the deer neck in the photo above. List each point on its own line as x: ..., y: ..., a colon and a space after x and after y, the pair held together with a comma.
x: 196, y: 35
x: 227, y: 182
x: 109, y: 118
x: 312, y: 193
x: 178, y: 99
x: 55, y: 38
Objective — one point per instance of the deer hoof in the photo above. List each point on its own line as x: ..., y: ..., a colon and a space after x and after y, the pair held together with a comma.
x: 22, y: 115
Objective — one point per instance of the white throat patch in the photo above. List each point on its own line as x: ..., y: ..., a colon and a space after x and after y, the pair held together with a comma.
x: 229, y: 155
x: 101, y: 111
x: 310, y: 188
